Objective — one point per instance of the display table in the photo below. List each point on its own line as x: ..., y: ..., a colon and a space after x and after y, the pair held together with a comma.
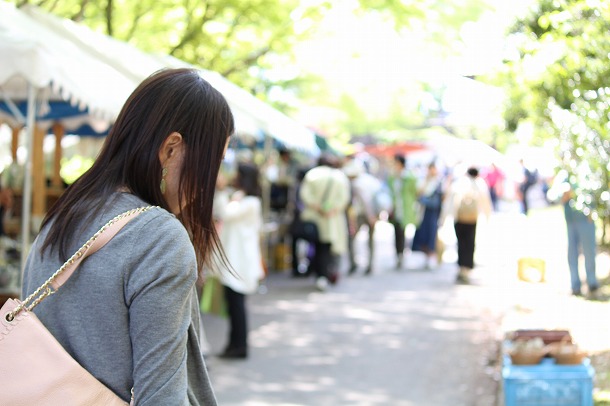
x: 548, y: 384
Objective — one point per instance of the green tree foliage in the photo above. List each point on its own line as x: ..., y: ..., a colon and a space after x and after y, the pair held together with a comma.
x: 433, y: 25
x: 441, y: 19
x: 226, y: 36
x: 560, y: 81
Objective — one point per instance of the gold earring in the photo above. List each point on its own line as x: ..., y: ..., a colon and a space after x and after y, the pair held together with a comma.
x: 162, y: 186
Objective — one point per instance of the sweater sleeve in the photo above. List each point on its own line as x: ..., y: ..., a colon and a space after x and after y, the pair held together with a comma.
x: 158, y: 289
x: 247, y: 207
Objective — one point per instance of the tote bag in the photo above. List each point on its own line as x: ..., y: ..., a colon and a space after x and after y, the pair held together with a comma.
x: 34, y: 368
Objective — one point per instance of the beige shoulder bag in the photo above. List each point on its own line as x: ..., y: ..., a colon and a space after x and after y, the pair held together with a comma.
x: 34, y: 367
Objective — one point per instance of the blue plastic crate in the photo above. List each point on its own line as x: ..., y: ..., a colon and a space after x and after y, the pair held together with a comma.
x: 548, y: 384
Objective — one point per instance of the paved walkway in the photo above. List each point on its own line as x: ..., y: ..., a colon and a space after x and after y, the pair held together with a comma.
x: 410, y: 337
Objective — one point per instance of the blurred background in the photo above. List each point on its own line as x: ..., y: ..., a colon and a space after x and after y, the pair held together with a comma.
x: 520, y: 86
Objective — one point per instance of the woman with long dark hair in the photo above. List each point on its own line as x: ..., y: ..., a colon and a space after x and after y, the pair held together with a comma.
x: 130, y: 314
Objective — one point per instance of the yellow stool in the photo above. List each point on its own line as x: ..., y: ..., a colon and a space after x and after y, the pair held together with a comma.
x: 531, y: 269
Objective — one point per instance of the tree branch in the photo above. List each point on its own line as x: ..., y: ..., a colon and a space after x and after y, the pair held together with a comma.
x: 192, y: 29
x: 249, y: 61
x: 139, y: 13
x: 109, y: 28
x: 225, y: 40
x: 81, y: 12
x: 52, y: 7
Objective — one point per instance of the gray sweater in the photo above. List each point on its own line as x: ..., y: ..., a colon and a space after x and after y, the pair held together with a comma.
x: 130, y: 314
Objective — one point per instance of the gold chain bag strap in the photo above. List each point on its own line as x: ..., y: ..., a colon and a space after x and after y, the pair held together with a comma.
x: 34, y: 367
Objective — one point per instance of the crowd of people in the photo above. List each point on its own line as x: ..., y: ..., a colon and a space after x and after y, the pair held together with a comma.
x: 341, y: 196
x: 404, y: 197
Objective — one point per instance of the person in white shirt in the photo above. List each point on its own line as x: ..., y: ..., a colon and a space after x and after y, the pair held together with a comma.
x: 240, y: 231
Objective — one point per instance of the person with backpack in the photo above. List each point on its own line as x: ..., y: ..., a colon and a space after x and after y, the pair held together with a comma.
x: 467, y: 198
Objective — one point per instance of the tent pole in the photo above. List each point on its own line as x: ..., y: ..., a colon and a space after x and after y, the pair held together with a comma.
x: 59, y: 131
x: 265, y: 184
x: 27, y: 185
x: 15, y: 142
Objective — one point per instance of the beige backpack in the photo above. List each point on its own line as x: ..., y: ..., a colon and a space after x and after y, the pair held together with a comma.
x: 468, y: 207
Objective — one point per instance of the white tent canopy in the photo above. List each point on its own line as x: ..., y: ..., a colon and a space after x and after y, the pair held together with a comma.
x: 46, y: 58
x: 265, y: 117
x: 39, y: 64
x: 59, y: 68
x: 133, y: 65
x: 466, y: 152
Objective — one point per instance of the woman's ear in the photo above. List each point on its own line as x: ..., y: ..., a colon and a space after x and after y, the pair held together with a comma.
x: 170, y: 147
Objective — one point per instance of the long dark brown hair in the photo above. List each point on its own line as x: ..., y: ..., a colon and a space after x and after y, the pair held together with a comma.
x: 171, y: 100
x: 247, y: 179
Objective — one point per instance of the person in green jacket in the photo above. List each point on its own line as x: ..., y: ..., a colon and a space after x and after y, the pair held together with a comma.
x: 403, y: 186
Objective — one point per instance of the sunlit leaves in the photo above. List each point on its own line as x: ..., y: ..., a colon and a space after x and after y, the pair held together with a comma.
x: 573, y: 86
x: 247, y: 40
x: 227, y: 36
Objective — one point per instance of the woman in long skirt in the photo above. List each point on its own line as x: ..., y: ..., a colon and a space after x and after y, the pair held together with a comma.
x: 430, y: 198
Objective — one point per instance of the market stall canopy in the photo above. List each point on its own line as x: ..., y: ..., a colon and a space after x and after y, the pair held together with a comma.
x: 72, y: 118
x: 468, y: 152
x: 271, y: 121
x: 35, y: 55
x: 401, y: 148
x: 46, y: 59
x: 96, y: 73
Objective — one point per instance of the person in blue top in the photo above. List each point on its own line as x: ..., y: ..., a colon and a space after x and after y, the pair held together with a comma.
x: 580, y: 224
